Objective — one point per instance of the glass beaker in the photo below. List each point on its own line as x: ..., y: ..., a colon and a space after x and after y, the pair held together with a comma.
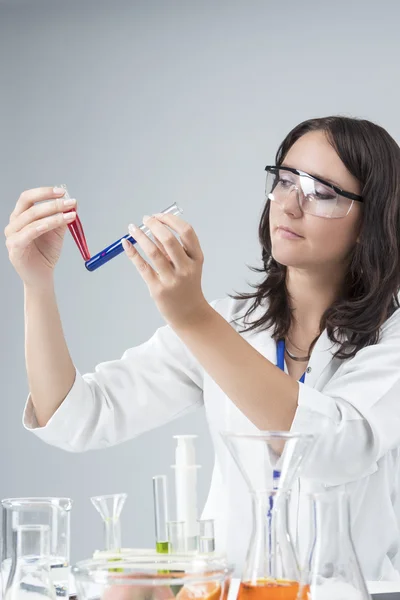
x: 332, y: 569
x: 176, y: 531
x: 206, y: 536
x: 163, y: 577
x: 29, y: 576
x: 271, y: 569
x: 54, y: 512
x: 110, y: 507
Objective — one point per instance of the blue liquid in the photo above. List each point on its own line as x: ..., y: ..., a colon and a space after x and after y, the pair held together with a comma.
x: 108, y: 253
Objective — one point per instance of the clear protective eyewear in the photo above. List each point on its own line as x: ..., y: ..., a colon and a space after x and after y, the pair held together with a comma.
x: 315, y: 196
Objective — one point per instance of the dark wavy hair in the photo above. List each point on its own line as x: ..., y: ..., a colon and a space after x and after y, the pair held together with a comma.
x: 372, y: 281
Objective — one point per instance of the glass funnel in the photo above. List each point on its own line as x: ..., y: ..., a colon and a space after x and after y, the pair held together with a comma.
x: 163, y: 577
x: 110, y: 508
x: 29, y: 576
x: 332, y: 569
x: 270, y: 463
x: 53, y: 512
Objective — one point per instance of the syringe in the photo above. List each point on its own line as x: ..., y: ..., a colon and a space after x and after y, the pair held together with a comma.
x: 186, y: 488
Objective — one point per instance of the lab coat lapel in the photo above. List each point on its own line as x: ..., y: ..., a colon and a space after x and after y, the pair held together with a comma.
x: 321, y: 358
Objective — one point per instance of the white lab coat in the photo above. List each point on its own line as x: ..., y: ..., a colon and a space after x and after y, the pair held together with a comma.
x: 355, y: 402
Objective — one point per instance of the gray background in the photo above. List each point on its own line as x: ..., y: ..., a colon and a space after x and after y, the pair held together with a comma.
x: 136, y: 104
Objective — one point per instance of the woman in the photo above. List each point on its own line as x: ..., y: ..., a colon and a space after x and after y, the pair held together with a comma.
x: 330, y: 236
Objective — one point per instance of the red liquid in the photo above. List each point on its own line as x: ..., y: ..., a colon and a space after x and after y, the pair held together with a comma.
x: 266, y: 589
x: 78, y: 234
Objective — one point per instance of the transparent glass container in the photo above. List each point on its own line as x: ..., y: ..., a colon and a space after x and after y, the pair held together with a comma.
x: 29, y: 575
x: 110, y: 507
x: 53, y: 512
x: 270, y: 463
x: 163, y: 577
x: 332, y: 570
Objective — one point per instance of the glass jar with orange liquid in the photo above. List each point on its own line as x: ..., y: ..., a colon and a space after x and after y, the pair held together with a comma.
x: 271, y: 570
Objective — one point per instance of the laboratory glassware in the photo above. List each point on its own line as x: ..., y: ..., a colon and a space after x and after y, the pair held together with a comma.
x: 54, y: 512
x: 29, y: 577
x: 110, y: 507
x: 271, y: 569
x: 164, y: 577
x: 76, y: 228
x: 332, y: 569
x: 160, y: 497
x: 206, y: 536
x: 177, y: 536
x: 99, y: 259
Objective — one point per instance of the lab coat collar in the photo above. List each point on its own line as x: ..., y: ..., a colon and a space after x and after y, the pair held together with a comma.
x: 321, y: 358
x: 321, y: 355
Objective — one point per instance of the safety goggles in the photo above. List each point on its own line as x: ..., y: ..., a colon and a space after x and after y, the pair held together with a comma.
x: 314, y: 195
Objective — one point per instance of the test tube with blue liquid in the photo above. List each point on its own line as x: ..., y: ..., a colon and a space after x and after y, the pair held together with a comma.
x: 116, y: 248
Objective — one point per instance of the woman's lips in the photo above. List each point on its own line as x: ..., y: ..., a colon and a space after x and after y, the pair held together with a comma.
x: 288, y: 234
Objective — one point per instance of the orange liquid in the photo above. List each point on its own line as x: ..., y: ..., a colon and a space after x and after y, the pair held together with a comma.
x: 266, y: 589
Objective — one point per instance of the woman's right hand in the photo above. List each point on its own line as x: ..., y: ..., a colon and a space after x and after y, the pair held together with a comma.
x: 35, y: 233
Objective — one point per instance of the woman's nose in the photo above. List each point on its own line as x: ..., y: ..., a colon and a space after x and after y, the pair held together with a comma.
x: 291, y: 204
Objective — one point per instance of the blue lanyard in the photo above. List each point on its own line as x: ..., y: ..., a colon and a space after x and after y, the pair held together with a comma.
x: 280, y: 358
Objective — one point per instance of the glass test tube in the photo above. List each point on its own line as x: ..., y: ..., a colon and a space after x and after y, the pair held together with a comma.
x: 177, y: 536
x: 161, y: 513
x: 116, y: 248
x: 206, y: 536
x: 76, y: 228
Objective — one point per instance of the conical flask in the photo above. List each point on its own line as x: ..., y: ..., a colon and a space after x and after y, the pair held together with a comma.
x: 29, y: 576
x: 110, y: 508
x: 332, y: 570
x: 269, y: 462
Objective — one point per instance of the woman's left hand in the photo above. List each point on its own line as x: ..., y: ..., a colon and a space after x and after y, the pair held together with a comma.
x: 175, y: 281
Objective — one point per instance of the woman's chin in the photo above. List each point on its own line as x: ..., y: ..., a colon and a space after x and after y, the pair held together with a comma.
x: 288, y: 258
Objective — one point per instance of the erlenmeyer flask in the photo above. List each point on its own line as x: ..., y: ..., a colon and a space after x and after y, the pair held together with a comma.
x: 332, y: 570
x: 29, y: 576
x: 110, y: 508
x: 271, y: 570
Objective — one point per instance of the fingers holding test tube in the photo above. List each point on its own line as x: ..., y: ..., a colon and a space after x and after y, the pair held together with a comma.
x: 120, y: 245
x: 175, y: 284
x: 189, y: 240
x: 35, y: 232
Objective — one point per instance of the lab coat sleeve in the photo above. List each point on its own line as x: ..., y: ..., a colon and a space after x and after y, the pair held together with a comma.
x: 357, y: 415
x: 148, y: 386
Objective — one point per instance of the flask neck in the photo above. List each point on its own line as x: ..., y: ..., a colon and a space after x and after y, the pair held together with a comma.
x: 271, y: 552
x: 331, y: 517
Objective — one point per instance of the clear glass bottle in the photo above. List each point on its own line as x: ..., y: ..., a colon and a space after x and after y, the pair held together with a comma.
x: 271, y: 569
x: 29, y: 577
x: 332, y: 570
